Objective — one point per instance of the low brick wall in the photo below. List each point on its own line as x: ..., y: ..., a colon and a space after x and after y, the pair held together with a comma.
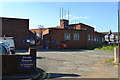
x: 19, y: 63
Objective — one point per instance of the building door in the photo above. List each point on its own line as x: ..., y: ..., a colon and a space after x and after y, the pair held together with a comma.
x: 100, y: 40
x: 46, y: 43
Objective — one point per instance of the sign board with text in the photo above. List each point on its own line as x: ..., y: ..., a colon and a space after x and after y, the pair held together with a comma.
x: 27, y: 62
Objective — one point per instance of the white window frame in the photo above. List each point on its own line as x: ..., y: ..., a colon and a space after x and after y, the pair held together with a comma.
x: 67, y: 36
x: 94, y: 37
x: 91, y: 37
x: 102, y: 39
x: 88, y: 37
x: 76, y: 36
x: 37, y: 34
x: 97, y: 38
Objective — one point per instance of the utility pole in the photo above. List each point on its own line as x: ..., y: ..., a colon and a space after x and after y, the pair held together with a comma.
x: 118, y: 24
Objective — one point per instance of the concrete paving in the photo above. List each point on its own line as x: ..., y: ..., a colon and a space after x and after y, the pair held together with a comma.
x: 76, y: 64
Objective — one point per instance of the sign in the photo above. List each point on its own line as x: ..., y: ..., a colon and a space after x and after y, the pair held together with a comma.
x: 53, y: 41
x: 31, y: 37
x: 69, y: 27
x: 28, y: 40
x: 27, y: 62
x: 23, y: 41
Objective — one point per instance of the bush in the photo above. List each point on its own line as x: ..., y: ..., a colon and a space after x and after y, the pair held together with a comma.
x: 109, y: 47
x: 110, y: 60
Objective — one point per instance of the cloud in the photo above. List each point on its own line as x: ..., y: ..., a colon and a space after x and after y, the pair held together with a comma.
x: 76, y: 17
x: 80, y: 17
x: 66, y: 16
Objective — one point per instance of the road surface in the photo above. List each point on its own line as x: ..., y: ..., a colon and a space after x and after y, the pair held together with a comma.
x: 76, y: 64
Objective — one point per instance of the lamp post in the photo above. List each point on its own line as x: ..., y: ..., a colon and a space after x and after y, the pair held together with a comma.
x: 118, y: 23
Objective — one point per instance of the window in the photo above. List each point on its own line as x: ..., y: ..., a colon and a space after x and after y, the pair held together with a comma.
x: 67, y: 36
x: 89, y: 37
x: 106, y: 35
x: 116, y: 36
x: 37, y: 34
x: 112, y: 37
x: 102, y: 39
x: 94, y: 38
x: 76, y: 36
x: 97, y: 38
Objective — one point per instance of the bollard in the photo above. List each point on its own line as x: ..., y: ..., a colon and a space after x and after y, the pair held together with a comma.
x: 32, y: 51
x: 116, y: 55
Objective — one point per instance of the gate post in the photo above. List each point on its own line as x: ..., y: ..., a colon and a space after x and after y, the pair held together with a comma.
x: 116, y: 55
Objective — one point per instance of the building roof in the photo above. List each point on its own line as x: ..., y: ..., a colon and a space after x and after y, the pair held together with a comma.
x: 66, y: 29
x: 81, y: 24
x: 115, y: 33
x: 13, y: 18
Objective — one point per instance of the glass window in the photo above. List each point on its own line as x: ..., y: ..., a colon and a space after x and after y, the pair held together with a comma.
x: 37, y: 34
x: 106, y: 39
x: 94, y: 38
x: 116, y: 36
x: 89, y: 37
x: 76, y: 36
x: 67, y: 36
x: 102, y: 39
x: 112, y: 37
x: 106, y: 35
x: 97, y: 38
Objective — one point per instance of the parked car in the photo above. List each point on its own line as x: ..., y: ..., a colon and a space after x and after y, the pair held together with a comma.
x: 4, y: 50
x: 8, y: 41
x: 64, y: 45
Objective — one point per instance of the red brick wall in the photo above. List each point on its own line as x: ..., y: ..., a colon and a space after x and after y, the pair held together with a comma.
x: 93, y: 43
x: 74, y: 26
x: 59, y: 36
x: 17, y: 28
x: 44, y: 30
x: 83, y: 26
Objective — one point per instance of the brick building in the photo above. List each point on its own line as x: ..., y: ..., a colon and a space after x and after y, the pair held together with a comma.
x: 18, y: 29
x: 111, y: 36
x: 76, y: 35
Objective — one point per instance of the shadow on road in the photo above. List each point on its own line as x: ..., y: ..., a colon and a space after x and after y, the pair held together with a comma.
x: 58, y: 50
x: 58, y: 75
x: 40, y: 57
x: 51, y: 50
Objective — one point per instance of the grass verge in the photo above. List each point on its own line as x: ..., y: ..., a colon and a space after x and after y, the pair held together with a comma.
x: 110, y: 60
x: 108, y: 47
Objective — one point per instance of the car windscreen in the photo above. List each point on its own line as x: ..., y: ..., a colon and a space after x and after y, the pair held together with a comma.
x: 2, y: 50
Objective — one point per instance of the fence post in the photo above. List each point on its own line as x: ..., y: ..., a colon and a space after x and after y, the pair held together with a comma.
x: 116, y: 55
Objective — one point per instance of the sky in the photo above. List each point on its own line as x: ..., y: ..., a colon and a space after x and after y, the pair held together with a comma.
x: 103, y: 16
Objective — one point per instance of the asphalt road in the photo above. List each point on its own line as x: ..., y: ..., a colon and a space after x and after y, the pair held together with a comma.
x: 76, y: 64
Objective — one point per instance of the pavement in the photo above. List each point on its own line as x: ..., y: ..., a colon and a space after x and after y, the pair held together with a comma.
x: 76, y: 64
x: 27, y: 76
